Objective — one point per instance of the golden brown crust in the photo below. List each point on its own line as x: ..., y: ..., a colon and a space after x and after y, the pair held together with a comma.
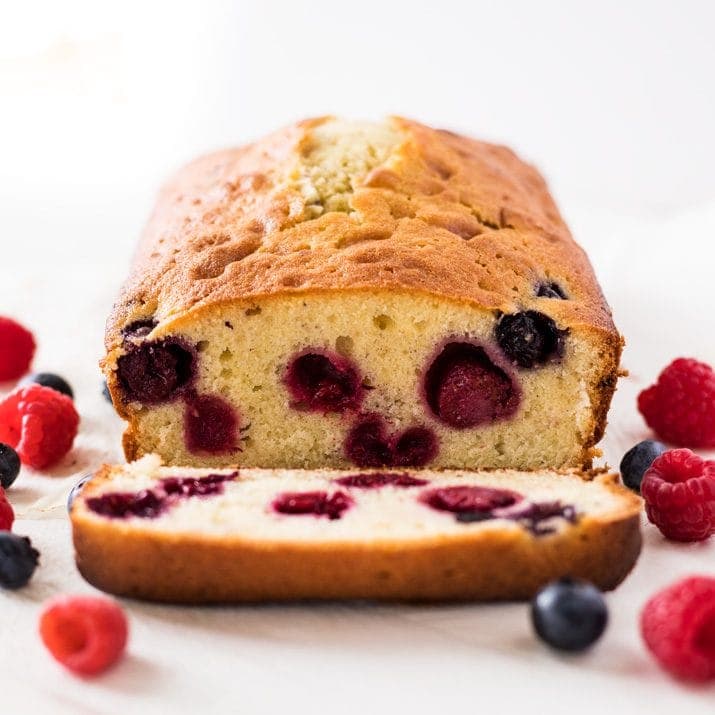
x: 446, y: 215
x: 486, y: 565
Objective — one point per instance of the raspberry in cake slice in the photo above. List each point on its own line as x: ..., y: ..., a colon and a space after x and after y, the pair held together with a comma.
x: 188, y: 534
x: 371, y: 295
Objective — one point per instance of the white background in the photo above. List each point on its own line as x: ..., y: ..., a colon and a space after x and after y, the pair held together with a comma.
x: 614, y: 101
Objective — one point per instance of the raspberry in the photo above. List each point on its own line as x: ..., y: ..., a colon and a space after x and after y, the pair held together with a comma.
x: 679, y: 493
x: 678, y: 626
x: 460, y: 499
x: 316, y: 503
x: 85, y: 633
x: 17, y: 348
x: 464, y: 388
x: 680, y: 407
x: 40, y: 423
x: 323, y: 383
x: 7, y: 515
x: 368, y: 444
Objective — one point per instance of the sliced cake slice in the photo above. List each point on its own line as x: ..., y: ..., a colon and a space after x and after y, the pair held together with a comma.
x: 206, y: 535
x: 366, y: 294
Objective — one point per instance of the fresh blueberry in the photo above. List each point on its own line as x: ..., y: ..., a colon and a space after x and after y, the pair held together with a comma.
x: 18, y: 560
x: 636, y: 461
x: 9, y: 465
x: 569, y: 615
x: 49, y: 379
x: 105, y: 392
x: 76, y: 489
x: 529, y: 338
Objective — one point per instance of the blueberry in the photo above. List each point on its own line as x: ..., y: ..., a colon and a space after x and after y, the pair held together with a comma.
x: 18, y: 560
x: 49, y: 379
x: 636, y: 461
x: 139, y: 328
x: 529, y: 338
x: 105, y: 392
x: 569, y: 615
x: 76, y: 489
x: 9, y: 465
x: 550, y: 290
x: 469, y: 517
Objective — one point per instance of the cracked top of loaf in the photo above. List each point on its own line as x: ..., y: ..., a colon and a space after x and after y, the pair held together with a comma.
x: 327, y: 204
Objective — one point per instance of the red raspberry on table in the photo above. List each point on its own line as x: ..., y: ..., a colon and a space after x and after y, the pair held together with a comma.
x: 17, y: 348
x: 7, y: 515
x: 86, y: 634
x: 40, y: 423
x: 680, y: 407
x: 679, y: 493
x: 678, y: 626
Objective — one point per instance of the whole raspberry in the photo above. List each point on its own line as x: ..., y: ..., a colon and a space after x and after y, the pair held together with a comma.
x: 85, y: 633
x: 678, y: 626
x: 17, y: 348
x: 679, y: 493
x: 40, y: 423
x: 7, y: 515
x: 680, y: 407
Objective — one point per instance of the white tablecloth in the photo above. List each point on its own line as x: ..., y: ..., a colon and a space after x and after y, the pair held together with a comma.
x: 338, y: 658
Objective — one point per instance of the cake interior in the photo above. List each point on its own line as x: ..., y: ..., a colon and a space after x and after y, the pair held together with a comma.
x: 398, y: 505
x: 291, y: 381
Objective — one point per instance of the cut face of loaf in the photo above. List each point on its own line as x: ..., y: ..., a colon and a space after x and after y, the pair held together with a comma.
x: 353, y: 294
x: 190, y: 535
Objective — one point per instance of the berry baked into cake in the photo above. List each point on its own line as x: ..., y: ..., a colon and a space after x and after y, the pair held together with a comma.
x: 344, y: 294
x: 221, y: 535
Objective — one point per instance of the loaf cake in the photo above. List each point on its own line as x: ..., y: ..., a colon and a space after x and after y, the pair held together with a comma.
x: 345, y: 294
x: 241, y: 534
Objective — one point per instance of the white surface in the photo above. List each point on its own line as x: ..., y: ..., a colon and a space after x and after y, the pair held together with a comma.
x: 614, y: 103
x: 348, y: 658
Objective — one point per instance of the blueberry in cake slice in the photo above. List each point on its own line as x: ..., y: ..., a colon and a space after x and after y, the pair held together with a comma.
x: 345, y: 294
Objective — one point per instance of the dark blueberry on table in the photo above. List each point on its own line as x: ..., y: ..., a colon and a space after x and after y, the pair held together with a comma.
x: 105, y: 392
x: 76, y: 489
x: 18, y: 560
x: 529, y: 338
x: 551, y: 290
x: 49, y: 379
x: 9, y: 465
x: 636, y: 461
x: 569, y: 614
